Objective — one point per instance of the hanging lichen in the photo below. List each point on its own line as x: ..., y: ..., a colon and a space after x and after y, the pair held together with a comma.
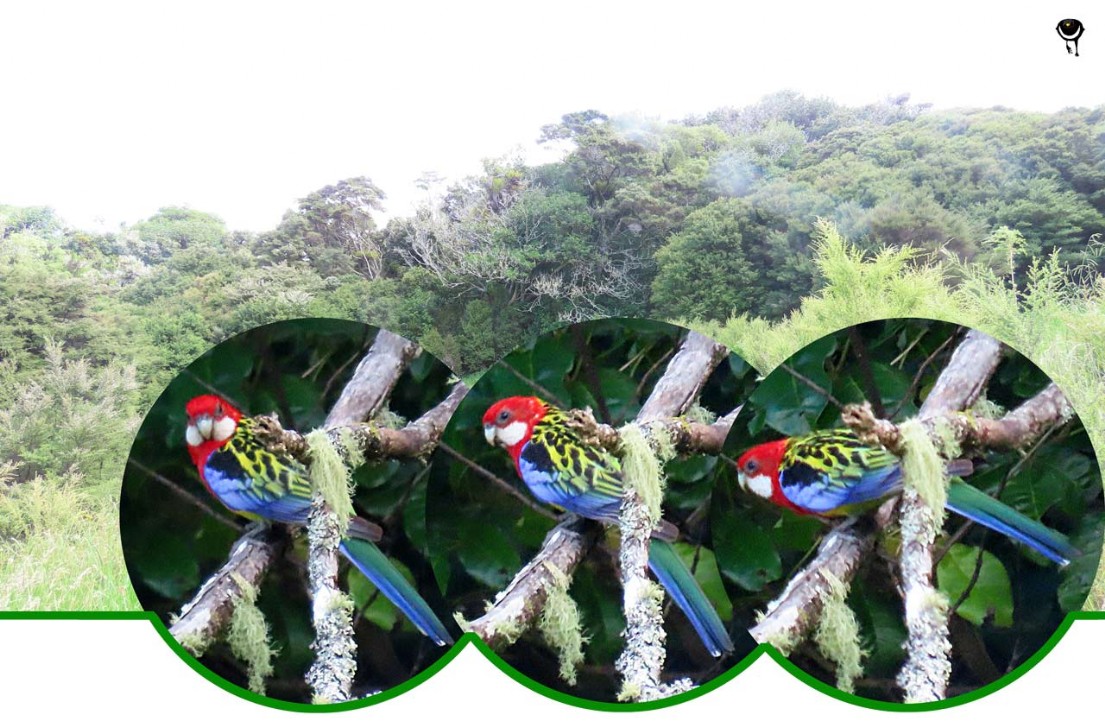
x: 330, y: 476
x: 248, y: 636
x: 923, y: 468
x: 642, y: 465
x: 561, y: 625
x: 837, y: 635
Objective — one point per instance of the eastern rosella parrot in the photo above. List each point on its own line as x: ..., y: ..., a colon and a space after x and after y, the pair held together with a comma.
x: 561, y: 470
x: 249, y: 479
x: 834, y: 473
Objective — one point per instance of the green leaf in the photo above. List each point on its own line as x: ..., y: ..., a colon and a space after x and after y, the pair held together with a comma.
x: 787, y: 403
x: 1078, y: 577
x: 488, y: 555
x: 745, y: 552
x: 379, y: 610
x: 991, y: 594
x: 1046, y: 480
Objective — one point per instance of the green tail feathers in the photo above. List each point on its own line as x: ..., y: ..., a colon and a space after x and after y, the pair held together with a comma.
x: 687, y: 594
x: 976, y: 505
x: 371, y: 561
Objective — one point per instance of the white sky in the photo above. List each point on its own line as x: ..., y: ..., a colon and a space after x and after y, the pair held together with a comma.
x: 109, y: 111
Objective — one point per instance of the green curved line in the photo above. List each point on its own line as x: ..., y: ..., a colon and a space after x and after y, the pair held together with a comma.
x: 554, y: 694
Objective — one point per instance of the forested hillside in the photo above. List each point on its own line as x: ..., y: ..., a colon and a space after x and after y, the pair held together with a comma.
x: 725, y: 222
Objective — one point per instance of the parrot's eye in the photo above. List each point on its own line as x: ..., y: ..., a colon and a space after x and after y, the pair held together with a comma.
x: 504, y: 415
x: 750, y: 466
x: 218, y: 411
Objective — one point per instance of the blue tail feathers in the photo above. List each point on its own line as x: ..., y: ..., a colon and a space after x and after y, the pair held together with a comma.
x: 680, y: 584
x: 976, y: 505
x: 376, y: 567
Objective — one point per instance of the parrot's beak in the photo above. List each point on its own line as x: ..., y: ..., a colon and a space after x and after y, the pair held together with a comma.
x: 489, y: 434
x: 741, y: 481
x: 204, y: 425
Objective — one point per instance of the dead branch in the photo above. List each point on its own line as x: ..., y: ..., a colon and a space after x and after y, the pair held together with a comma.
x: 787, y: 619
x: 521, y: 602
x: 204, y: 617
x: 372, y: 382
x: 684, y: 378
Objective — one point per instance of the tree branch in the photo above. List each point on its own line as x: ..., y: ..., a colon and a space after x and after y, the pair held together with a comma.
x: 642, y: 661
x: 521, y: 602
x: 373, y: 380
x: 787, y: 619
x: 924, y: 677
x: 373, y: 442
x: 331, y: 674
x: 209, y: 611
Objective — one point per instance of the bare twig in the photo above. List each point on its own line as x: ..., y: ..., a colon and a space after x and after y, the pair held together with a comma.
x: 499, y: 482
x: 185, y: 494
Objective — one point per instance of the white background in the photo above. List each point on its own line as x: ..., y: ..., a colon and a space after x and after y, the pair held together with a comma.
x: 122, y: 672
x: 109, y: 111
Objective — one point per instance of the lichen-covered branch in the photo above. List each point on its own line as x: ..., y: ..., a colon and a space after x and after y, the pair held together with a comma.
x: 790, y: 617
x: 516, y: 607
x: 1017, y: 429
x: 331, y: 674
x: 685, y: 436
x: 924, y: 676
x: 641, y: 663
x: 367, y: 440
x: 203, y: 618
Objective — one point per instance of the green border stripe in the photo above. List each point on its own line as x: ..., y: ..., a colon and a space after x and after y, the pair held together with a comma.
x: 547, y: 691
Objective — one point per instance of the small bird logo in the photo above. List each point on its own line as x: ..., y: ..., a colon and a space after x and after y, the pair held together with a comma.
x: 1070, y: 30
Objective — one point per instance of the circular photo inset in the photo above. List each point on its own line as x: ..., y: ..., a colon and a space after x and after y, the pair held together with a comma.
x: 530, y: 538
x: 273, y: 510
x: 915, y: 506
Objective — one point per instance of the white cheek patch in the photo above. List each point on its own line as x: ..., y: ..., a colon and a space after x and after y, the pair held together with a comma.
x: 513, y: 433
x: 193, y: 436
x: 223, y: 429
x: 758, y: 485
